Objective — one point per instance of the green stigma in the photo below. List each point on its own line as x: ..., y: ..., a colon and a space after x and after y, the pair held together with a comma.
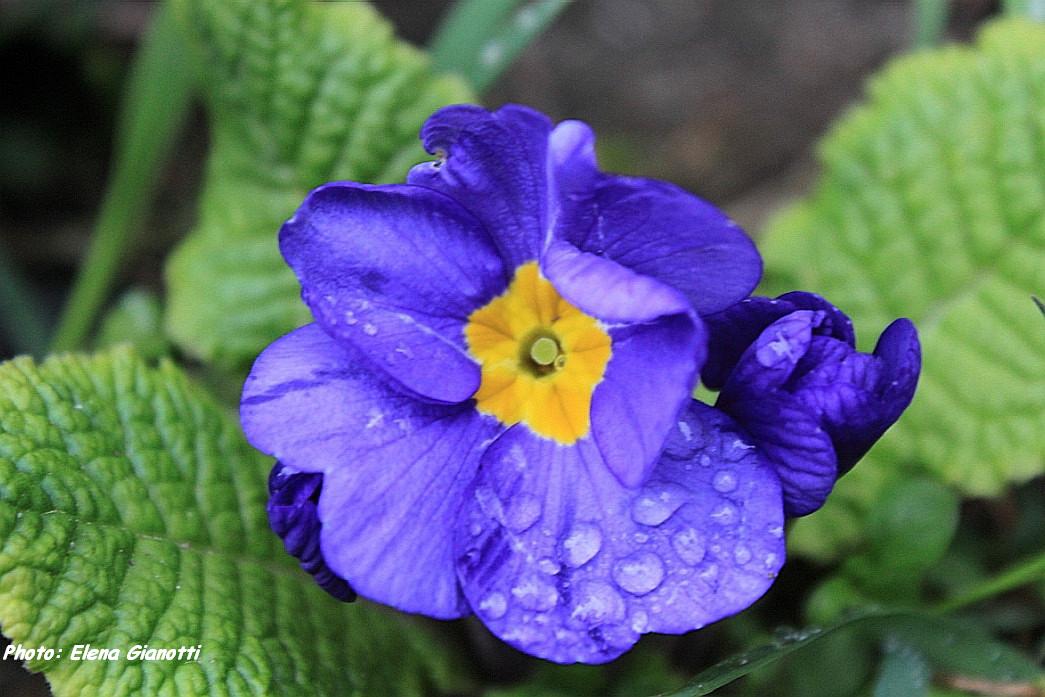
x: 544, y: 351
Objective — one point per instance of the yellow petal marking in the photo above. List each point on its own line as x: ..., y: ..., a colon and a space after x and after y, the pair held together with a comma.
x: 552, y: 398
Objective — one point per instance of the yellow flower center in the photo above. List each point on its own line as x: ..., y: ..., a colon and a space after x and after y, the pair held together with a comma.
x: 541, y: 358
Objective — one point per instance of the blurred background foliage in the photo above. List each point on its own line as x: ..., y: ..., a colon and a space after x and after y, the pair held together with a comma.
x: 927, y: 199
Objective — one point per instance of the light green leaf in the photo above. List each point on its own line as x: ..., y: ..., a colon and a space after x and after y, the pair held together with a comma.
x: 931, y: 205
x: 299, y: 94
x: 132, y: 512
x: 137, y: 319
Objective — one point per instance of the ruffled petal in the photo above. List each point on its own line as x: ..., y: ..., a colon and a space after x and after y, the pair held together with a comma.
x: 657, y: 349
x: 560, y: 560
x: 395, y: 469
x: 495, y: 165
x: 732, y: 330
x: 811, y: 401
x: 292, y: 515
x: 665, y: 233
x: 395, y: 271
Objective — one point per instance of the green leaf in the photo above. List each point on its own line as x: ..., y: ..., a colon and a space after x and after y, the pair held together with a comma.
x: 945, y: 643
x: 931, y: 205
x: 132, y: 512
x: 299, y: 94
x: 904, y: 672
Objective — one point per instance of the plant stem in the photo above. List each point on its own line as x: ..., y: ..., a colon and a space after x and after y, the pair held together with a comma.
x: 155, y: 105
x: 1020, y: 574
x: 930, y: 21
x: 481, y: 38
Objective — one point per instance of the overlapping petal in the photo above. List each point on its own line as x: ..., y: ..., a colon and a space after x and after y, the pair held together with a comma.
x: 658, y: 346
x: 292, y: 515
x: 395, y: 271
x: 394, y: 468
x: 807, y: 397
x: 562, y: 561
x: 495, y: 163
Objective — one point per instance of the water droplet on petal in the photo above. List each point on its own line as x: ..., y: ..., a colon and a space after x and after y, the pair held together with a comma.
x: 523, y: 511
x: 350, y: 317
x: 581, y: 544
x: 549, y: 566
x: 535, y: 593
x: 726, y: 514
x: 493, y: 605
x: 652, y: 507
x: 476, y: 529
x: 596, y: 602
x: 489, y: 503
x: 724, y: 481
x: 639, y: 573
x: 741, y: 554
x: 686, y: 431
x: 640, y: 621
x: 769, y: 561
x: 369, y: 329
x: 709, y: 573
x: 776, y: 530
x: 688, y: 545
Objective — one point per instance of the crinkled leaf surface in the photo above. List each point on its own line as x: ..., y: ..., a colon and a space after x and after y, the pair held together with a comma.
x: 133, y: 512
x: 931, y: 205
x: 299, y: 93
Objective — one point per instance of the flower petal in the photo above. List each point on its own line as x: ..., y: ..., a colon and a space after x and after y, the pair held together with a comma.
x: 395, y: 468
x: 560, y: 560
x: 663, y: 232
x: 395, y: 271
x: 292, y: 516
x: 732, y: 330
x: 494, y: 164
x: 657, y: 348
x: 813, y: 403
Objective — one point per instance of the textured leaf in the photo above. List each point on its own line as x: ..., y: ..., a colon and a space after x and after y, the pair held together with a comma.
x: 299, y: 94
x: 931, y: 205
x: 132, y: 512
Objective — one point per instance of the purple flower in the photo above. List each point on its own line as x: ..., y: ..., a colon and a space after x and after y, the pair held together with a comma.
x: 496, y: 394
x: 491, y: 412
x: 791, y: 377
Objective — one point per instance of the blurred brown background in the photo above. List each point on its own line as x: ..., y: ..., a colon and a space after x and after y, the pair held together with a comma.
x: 724, y: 97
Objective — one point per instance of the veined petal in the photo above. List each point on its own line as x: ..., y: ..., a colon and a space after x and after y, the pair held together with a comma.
x: 732, y: 330
x: 665, y: 233
x: 395, y: 271
x: 395, y: 468
x: 292, y: 515
x: 494, y: 164
x: 562, y: 561
x: 657, y: 348
x: 812, y: 402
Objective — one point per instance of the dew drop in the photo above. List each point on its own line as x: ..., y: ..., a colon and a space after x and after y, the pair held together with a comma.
x: 493, y: 605
x: 476, y: 529
x: 596, y: 602
x: 640, y: 621
x: 741, y: 554
x: 523, y: 511
x: 350, y: 318
x: 640, y: 538
x: 535, y: 593
x: 724, y: 481
x: 686, y: 431
x: 369, y: 329
x: 705, y: 460
x: 726, y: 514
x: 549, y: 566
x: 581, y: 544
x: 653, y: 507
x: 639, y: 573
x: 709, y: 573
x: 769, y: 561
x: 776, y: 531
x: 688, y: 545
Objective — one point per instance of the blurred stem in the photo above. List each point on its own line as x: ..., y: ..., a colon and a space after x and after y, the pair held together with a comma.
x: 155, y: 105
x: 930, y: 21
x: 480, y: 39
x: 1035, y: 9
x: 21, y: 313
x: 1020, y: 574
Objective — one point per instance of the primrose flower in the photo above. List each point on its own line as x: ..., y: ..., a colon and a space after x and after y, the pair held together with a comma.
x: 491, y: 412
x: 792, y: 378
